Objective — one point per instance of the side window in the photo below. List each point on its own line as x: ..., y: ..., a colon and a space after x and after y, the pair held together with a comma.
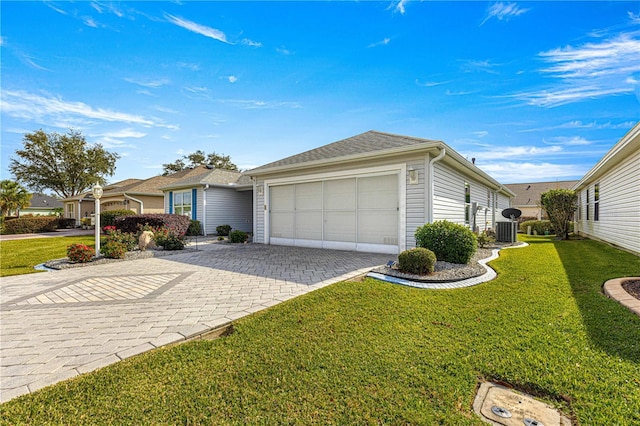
x: 467, y: 203
x: 596, y: 202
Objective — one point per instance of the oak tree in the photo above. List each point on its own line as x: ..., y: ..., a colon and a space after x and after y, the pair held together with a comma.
x: 560, y: 205
x: 63, y: 163
x: 199, y: 158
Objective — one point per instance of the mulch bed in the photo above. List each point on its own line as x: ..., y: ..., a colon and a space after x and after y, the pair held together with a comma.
x: 632, y: 287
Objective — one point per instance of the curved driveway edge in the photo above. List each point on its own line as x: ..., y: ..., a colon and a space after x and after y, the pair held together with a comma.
x: 58, y: 325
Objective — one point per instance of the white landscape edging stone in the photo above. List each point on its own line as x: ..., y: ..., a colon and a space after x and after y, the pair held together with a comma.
x: 489, y: 275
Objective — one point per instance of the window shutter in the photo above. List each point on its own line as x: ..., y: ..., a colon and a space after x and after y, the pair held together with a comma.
x: 170, y: 202
x: 194, y: 203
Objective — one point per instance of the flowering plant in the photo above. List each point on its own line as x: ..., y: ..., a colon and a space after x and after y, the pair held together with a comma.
x: 80, y: 253
x: 108, y: 228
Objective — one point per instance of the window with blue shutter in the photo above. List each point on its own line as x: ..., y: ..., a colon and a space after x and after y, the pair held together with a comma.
x: 170, y: 202
x: 194, y: 199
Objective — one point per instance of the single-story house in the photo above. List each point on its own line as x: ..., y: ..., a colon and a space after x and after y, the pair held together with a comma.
x: 214, y: 197
x: 609, y: 196
x: 41, y: 205
x: 527, y: 198
x: 370, y: 193
x: 138, y: 195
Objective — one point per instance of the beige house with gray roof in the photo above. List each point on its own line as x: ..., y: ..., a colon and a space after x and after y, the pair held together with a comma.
x: 370, y: 192
x: 527, y: 197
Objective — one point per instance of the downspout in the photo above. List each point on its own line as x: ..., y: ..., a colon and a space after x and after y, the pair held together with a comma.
x: 255, y: 202
x: 136, y: 200
x: 204, y: 209
x: 431, y: 186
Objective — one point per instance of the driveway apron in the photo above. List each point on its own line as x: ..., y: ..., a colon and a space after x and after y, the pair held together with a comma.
x: 57, y: 325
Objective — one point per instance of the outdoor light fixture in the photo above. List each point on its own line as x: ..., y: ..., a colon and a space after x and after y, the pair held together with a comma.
x: 413, y: 176
x: 260, y: 190
x: 97, y: 193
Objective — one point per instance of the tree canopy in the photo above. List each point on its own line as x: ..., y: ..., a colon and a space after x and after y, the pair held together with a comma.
x: 63, y: 163
x: 560, y: 204
x: 199, y: 158
x: 13, y: 197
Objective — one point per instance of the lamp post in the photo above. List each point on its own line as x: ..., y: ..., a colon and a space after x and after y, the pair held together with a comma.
x: 97, y: 193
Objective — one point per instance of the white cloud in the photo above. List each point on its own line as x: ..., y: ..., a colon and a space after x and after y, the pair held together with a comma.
x: 3, y: 41
x: 481, y: 133
x: 251, y: 43
x: 124, y: 133
x: 635, y: 18
x: 513, y: 172
x: 198, y: 90
x: 149, y: 83
x: 189, y: 66
x: 589, y: 71
x: 577, y: 124
x: 511, y: 152
x: 284, y: 51
x: 53, y: 7
x: 479, y: 66
x: 431, y: 83
x: 60, y: 113
x: 197, y: 28
x: 504, y: 11
x: 382, y: 42
x: 232, y: 78
x: 89, y: 22
x: 567, y: 140
x: 256, y: 104
x: 399, y: 6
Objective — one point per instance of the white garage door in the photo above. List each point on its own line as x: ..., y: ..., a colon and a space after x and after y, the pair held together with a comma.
x: 358, y: 213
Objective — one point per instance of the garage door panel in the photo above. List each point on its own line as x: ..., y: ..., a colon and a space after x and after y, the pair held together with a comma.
x: 282, y: 224
x: 340, y: 194
x: 308, y: 225
x: 378, y: 192
x: 378, y: 227
x: 282, y: 198
x: 340, y: 226
x: 308, y: 196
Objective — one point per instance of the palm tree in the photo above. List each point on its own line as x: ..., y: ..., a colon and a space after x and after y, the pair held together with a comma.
x: 13, y: 197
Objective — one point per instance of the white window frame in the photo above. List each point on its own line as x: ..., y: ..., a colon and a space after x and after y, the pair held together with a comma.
x: 179, y: 208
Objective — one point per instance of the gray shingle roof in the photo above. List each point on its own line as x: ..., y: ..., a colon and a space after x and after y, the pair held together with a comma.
x: 528, y: 194
x: 203, y: 175
x: 42, y: 201
x: 362, y: 144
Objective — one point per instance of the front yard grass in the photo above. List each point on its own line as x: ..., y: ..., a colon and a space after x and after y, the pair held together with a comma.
x: 18, y: 257
x: 375, y: 353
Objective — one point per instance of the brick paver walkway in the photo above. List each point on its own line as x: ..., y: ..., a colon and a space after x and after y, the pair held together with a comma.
x: 57, y: 325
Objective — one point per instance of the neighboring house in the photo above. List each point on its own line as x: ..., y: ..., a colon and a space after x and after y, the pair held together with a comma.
x: 370, y: 193
x: 609, y: 196
x: 138, y: 195
x: 212, y: 196
x: 527, y: 197
x: 41, y: 205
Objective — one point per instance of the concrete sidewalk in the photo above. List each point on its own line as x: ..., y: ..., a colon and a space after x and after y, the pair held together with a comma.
x: 57, y: 325
x: 56, y: 233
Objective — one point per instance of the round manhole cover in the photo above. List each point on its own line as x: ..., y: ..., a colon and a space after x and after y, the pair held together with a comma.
x: 501, y: 412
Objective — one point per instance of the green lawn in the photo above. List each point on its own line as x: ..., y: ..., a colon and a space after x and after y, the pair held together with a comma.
x: 376, y: 353
x: 20, y: 256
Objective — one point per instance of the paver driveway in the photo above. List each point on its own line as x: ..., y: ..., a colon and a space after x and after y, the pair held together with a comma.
x: 58, y: 325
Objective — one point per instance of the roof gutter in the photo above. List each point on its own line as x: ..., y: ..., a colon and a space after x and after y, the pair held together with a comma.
x: 443, y: 152
x: 136, y: 200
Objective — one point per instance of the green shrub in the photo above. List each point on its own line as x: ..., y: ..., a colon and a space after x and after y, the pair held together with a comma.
x: 133, y: 224
x: 238, y: 236
x: 540, y: 227
x: 128, y: 239
x: 195, y: 228
x: 449, y: 241
x: 223, y: 230
x: 30, y: 225
x: 485, y: 238
x: 108, y: 217
x: 114, y: 250
x: 66, y: 223
x: 169, y: 239
x: 80, y: 253
x: 418, y: 261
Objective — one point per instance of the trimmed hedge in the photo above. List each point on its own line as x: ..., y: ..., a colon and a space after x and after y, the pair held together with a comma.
x: 418, y: 261
x: 539, y: 227
x: 449, y: 241
x: 108, y: 217
x: 30, y: 225
x: 177, y: 222
x: 195, y: 228
x: 64, y: 222
x: 238, y: 236
x: 223, y: 230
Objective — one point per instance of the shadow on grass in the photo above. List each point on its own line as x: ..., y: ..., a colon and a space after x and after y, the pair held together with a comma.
x: 610, y: 326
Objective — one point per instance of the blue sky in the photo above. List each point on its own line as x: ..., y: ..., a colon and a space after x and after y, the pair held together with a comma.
x: 535, y: 91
